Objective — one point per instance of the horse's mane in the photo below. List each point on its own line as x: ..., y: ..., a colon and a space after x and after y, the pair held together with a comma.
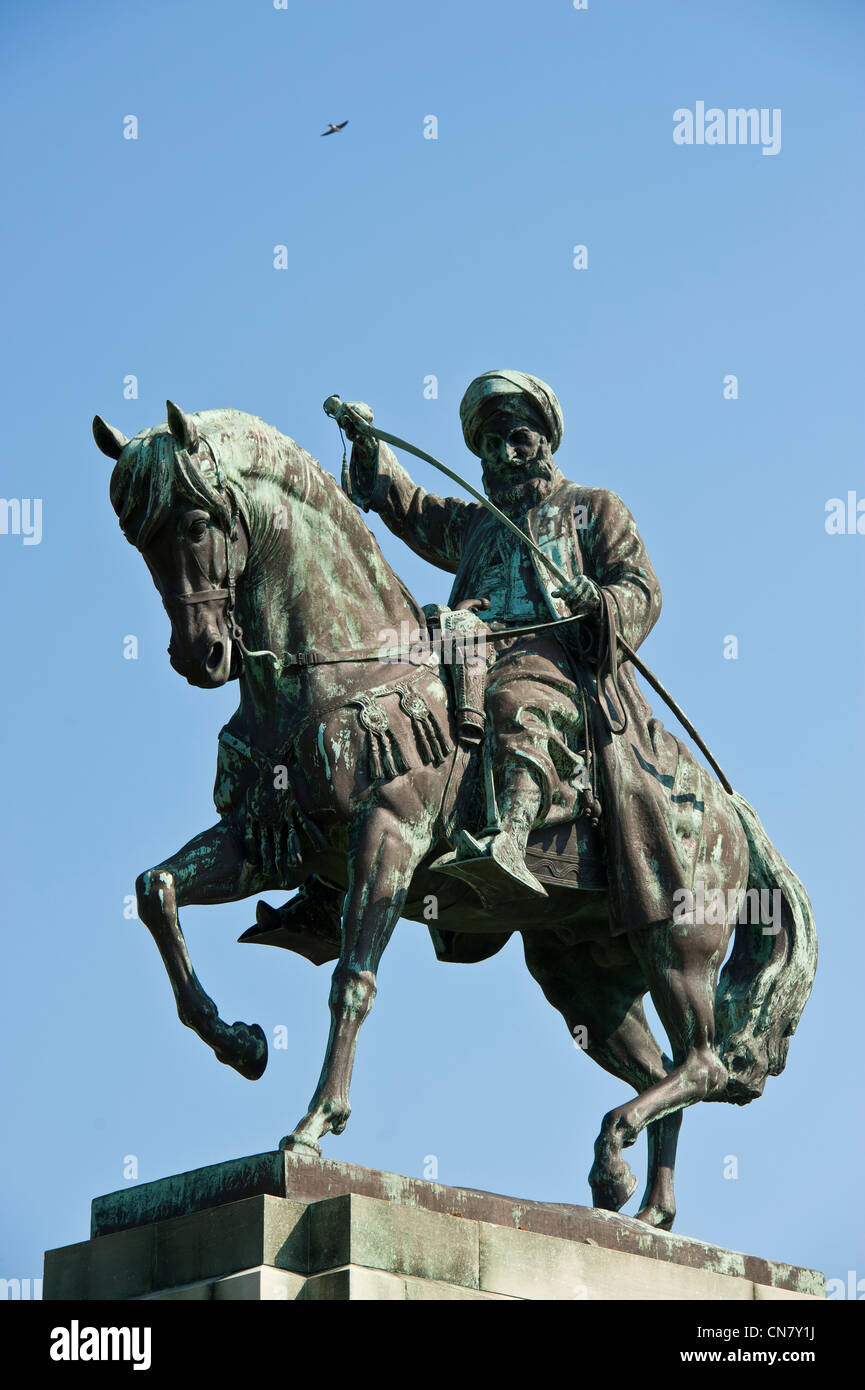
x: 243, y: 469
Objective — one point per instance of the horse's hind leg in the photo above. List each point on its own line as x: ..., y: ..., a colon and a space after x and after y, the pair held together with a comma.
x: 681, y: 964
x: 658, y: 1207
x: 210, y: 869
x: 599, y: 990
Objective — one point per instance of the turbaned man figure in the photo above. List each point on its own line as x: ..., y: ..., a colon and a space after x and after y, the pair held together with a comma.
x: 558, y: 700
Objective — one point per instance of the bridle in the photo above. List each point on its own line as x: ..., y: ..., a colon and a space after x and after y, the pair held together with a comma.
x: 228, y: 595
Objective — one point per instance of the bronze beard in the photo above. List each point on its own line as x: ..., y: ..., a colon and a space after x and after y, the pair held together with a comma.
x: 519, y: 488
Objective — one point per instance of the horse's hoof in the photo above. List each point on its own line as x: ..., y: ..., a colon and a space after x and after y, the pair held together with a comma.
x: 255, y: 1055
x: 301, y: 1146
x: 659, y: 1217
x: 611, y: 1190
x: 247, y: 1053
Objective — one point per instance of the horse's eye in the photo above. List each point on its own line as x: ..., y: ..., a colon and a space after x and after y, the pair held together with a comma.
x: 197, y: 530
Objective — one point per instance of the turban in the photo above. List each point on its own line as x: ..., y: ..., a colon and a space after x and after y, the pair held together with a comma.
x: 493, y: 389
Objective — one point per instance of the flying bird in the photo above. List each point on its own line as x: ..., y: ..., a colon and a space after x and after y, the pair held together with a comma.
x: 332, y: 129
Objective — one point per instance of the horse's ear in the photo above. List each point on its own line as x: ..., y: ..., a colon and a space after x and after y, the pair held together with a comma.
x: 182, y: 427
x: 110, y: 440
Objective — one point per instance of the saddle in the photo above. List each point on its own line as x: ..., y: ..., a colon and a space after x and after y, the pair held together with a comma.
x: 565, y: 851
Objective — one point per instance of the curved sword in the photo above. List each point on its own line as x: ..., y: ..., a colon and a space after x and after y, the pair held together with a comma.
x: 341, y: 412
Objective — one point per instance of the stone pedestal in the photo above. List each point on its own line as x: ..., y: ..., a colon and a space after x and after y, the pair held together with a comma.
x: 286, y: 1226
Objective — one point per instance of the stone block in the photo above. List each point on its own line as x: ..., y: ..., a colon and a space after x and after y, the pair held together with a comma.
x: 183, y: 1251
x: 304, y: 1178
x: 290, y: 1227
x: 766, y: 1294
x: 118, y: 1266
x: 526, y: 1265
x: 353, y: 1230
x: 225, y: 1240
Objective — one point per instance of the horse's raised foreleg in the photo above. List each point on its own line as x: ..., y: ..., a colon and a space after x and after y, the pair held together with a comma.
x: 209, y: 869
x: 385, y: 851
x: 681, y: 964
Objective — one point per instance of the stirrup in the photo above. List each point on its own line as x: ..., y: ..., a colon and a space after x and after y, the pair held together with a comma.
x: 493, y: 867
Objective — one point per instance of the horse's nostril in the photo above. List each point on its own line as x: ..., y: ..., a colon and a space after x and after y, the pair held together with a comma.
x: 214, y: 656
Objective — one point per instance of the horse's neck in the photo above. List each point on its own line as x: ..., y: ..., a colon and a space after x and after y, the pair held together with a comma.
x: 316, y: 580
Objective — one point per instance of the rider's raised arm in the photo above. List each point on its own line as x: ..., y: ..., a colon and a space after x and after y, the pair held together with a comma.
x: 619, y: 563
x: 434, y: 527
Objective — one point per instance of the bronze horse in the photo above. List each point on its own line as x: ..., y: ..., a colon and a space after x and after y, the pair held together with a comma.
x: 342, y: 767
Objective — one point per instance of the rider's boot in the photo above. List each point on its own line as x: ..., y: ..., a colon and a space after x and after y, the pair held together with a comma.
x: 310, y: 923
x: 494, y: 863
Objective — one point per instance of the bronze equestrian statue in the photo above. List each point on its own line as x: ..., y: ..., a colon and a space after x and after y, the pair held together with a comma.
x: 519, y: 783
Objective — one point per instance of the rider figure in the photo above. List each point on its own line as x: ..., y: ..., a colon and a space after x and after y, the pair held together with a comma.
x: 538, y: 691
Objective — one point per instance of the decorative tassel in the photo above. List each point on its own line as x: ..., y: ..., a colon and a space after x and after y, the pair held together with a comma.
x: 432, y: 746
x: 443, y: 745
x: 392, y: 756
x: 422, y: 741
x: 373, y: 758
x: 384, y: 758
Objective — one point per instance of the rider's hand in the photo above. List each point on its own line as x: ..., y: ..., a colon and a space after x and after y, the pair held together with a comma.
x: 352, y: 428
x: 582, y: 596
x: 471, y: 605
x: 359, y: 478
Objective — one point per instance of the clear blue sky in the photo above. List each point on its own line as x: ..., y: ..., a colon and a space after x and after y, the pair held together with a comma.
x: 411, y: 257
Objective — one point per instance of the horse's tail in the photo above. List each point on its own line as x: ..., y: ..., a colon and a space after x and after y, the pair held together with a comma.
x: 765, y: 983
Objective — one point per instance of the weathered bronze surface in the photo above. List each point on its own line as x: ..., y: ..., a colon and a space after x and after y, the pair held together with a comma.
x: 388, y: 761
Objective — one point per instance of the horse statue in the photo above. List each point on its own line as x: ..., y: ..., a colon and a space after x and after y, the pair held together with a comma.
x: 342, y: 773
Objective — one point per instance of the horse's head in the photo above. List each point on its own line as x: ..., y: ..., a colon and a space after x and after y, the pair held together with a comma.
x: 174, y: 506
